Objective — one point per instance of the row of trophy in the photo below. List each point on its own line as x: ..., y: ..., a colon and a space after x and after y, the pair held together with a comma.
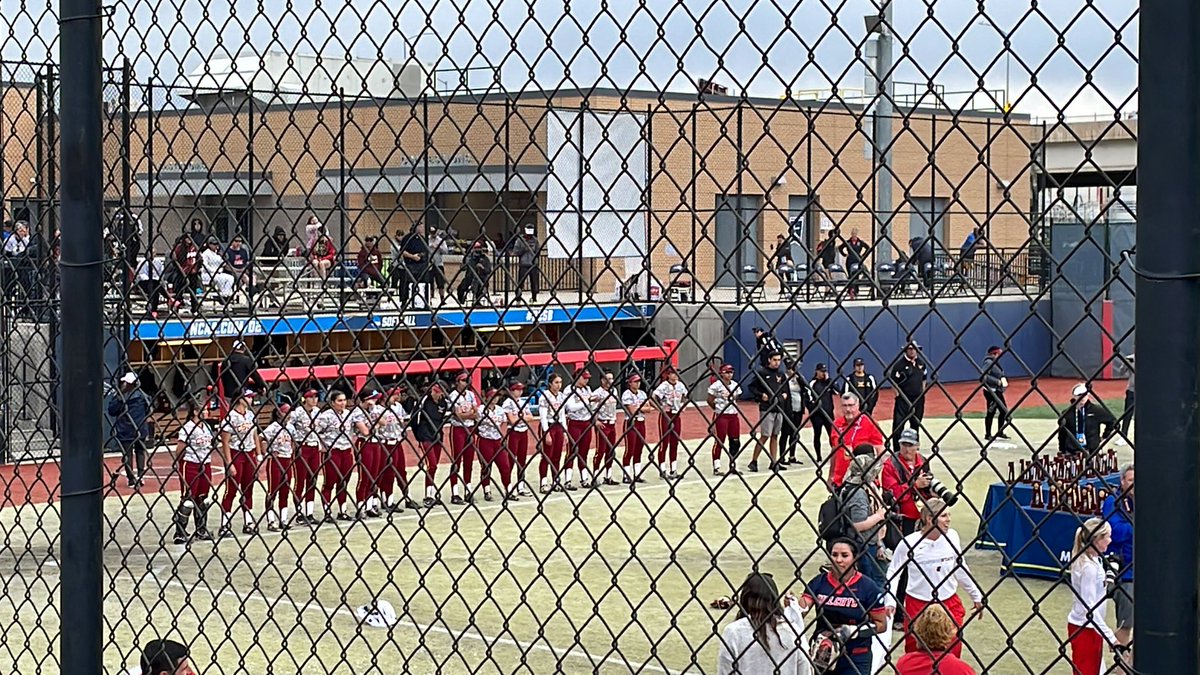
x: 1061, y: 468
x: 1085, y: 500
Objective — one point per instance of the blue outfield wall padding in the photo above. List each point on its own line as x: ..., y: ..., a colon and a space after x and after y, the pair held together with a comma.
x: 954, y: 338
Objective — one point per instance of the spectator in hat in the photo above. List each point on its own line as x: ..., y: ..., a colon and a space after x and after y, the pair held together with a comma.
x: 904, y: 476
x: 1084, y: 426
x: 770, y: 389
x: 862, y: 384
x: 819, y: 404
x: 275, y: 248
x: 907, y: 375
x: 166, y: 657
x: 129, y: 408
x: 238, y: 258
x: 994, y: 386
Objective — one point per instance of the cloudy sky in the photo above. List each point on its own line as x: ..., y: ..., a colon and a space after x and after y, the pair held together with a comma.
x: 763, y: 47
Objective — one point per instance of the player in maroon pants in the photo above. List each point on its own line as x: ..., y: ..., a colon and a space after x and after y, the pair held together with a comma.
x: 280, y: 451
x: 302, y: 423
x: 242, y: 444
x: 493, y: 426
x: 517, y: 439
x: 338, y: 427
x: 579, y: 427
x: 464, y: 407
x: 392, y: 425
x: 636, y: 403
x: 429, y: 417
x: 670, y: 397
x: 371, y: 456
x: 193, y: 454
x: 605, y: 401
x: 727, y: 429
x: 553, y: 417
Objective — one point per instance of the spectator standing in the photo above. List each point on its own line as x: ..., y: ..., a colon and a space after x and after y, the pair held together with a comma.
x: 905, y: 477
x: 768, y: 635
x: 185, y: 270
x: 198, y: 233
x: 793, y: 418
x: 782, y: 263
x: 7, y: 231
x: 851, y: 430
x: 819, y: 403
x: 439, y: 248
x: 855, y: 251
x: 414, y: 267
x: 770, y: 389
x: 239, y: 371
x: 766, y: 344
x: 863, y: 384
x: 476, y: 273
x: 1130, y: 403
x: 526, y: 250
x: 932, y: 559
x: 129, y: 408
x: 1087, y: 627
x: 238, y: 257
x: 1118, y: 512
x: 908, y: 375
x: 994, y: 386
x: 276, y: 248
x: 370, y: 262
x: 966, y: 252
x: 313, y: 230
x: 1085, y: 426
x: 935, y: 633
x: 18, y: 243
x: 321, y: 255
x: 429, y: 416
x: 922, y: 259
x: 866, y: 511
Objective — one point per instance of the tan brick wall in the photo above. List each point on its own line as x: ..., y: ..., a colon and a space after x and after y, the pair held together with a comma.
x: 18, y: 134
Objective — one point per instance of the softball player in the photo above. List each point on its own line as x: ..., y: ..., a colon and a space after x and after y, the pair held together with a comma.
x: 670, y: 397
x: 727, y: 429
x: 242, y: 445
x: 552, y: 410
x: 301, y: 423
x: 636, y: 403
x: 517, y: 439
x: 279, y: 444
x: 193, y: 455
x: 337, y: 426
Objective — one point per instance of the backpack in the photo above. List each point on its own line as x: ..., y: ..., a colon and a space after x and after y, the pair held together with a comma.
x: 833, y: 521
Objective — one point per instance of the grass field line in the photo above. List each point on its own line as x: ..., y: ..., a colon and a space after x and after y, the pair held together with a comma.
x: 473, y: 633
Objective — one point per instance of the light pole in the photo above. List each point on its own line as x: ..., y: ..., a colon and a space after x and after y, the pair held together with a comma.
x: 881, y: 137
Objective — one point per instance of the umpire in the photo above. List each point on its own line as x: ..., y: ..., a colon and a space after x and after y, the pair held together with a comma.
x: 908, y: 375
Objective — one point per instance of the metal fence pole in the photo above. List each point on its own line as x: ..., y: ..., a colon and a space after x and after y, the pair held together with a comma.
x: 82, y: 353
x: 1168, y: 320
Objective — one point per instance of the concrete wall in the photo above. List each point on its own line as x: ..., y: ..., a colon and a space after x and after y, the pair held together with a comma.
x: 700, y: 330
x: 955, y: 335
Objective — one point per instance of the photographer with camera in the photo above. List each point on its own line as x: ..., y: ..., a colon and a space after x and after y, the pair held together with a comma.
x: 905, y: 477
x: 1118, y: 512
x: 933, y: 559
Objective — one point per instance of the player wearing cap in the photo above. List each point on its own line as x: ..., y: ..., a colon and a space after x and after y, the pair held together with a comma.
x: 280, y: 450
x: 579, y: 427
x: 727, y: 429
x: 907, y: 375
x: 302, y: 425
x: 904, y: 475
x: 494, y: 422
x: 850, y: 430
x: 819, y: 397
x: 860, y: 382
x: 553, y: 416
x: 604, y: 402
x: 390, y: 427
x: 339, y: 426
x: 242, y: 445
x: 428, y: 418
x: 371, y: 455
x: 636, y: 403
x: 517, y: 440
x: 994, y: 386
x: 193, y: 456
x: 669, y: 397
x: 464, y: 408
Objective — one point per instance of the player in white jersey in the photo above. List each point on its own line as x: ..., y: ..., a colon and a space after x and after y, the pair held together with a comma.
x: 494, y: 422
x: 393, y: 428
x: 302, y: 423
x: 464, y: 407
x: 605, y: 401
x: 338, y: 427
x: 636, y: 404
x: 517, y: 439
x: 553, y: 414
x: 193, y: 455
x: 371, y: 455
x: 242, y: 445
x: 280, y: 452
x: 670, y: 397
x: 723, y: 396
x: 579, y: 427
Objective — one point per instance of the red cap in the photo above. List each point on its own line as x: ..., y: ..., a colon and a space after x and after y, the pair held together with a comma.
x: 491, y: 391
x: 727, y: 368
x: 516, y: 386
x: 435, y: 388
x: 395, y: 390
x: 634, y: 378
x: 584, y: 375
x: 667, y: 371
x: 372, y: 395
x: 462, y: 377
x: 478, y: 244
x: 284, y: 408
x: 310, y: 393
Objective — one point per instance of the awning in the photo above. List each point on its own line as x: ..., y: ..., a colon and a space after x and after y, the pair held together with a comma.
x: 168, y: 185
x: 412, y: 179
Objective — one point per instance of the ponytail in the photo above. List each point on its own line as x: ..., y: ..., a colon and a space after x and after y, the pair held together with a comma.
x: 1091, y: 530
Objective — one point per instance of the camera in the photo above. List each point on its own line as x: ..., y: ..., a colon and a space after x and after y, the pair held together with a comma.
x: 892, y: 506
x: 939, y: 489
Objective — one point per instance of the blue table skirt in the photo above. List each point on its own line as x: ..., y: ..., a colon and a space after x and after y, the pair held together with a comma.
x: 1033, y: 542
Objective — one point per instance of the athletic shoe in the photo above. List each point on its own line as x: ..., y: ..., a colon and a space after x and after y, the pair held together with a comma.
x: 609, y: 481
x: 284, y: 527
x: 988, y: 438
x: 272, y: 527
x: 511, y: 497
x: 625, y: 480
x: 544, y: 490
x: 249, y: 529
x: 224, y: 533
x: 374, y: 513
x: 570, y: 487
x: 411, y: 503
x: 674, y: 475
x: 717, y: 472
x: 456, y: 500
x: 202, y: 535
x: 1004, y: 437
x: 639, y: 479
x: 752, y: 467
x: 559, y: 488
x: 301, y: 519
x: 429, y: 502
x: 328, y: 518
x: 181, y: 539
x: 469, y: 499
x: 344, y: 517
x: 733, y: 471
x: 487, y: 496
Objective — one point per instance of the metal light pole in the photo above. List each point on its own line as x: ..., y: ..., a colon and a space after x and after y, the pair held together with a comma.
x: 881, y: 137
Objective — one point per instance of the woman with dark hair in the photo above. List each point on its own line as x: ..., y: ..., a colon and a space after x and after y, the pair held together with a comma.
x: 552, y: 409
x: 493, y: 423
x: 277, y: 438
x: 241, y: 444
x: 517, y: 440
x: 197, y: 232
x: 193, y: 455
x: 339, y: 427
x: 322, y: 255
x: 850, y: 612
x: 768, y: 635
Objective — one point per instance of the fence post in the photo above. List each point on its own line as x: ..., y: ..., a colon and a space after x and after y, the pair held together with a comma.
x: 1168, y: 319
x: 82, y: 510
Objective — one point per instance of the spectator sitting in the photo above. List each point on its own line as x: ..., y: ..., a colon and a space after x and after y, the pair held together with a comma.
x: 313, y: 230
x: 370, y: 261
x: 936, y: 633
x: 238, y: 258
x: 781, y: 261
x: 276, y: 247
x: 212, y: 270
x: 321, y: 255
x: 18, y: 243
x: 197, y: 232
x: 149, y: 278
x: 7, y: 231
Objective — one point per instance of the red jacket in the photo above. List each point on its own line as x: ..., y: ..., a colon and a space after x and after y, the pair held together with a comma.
x: 846, y: 436
x: 323, y: 252
x: 922, y: 662
x: 901, y: 486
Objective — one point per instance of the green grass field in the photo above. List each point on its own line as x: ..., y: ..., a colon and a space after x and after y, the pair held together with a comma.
x: 605, y: 581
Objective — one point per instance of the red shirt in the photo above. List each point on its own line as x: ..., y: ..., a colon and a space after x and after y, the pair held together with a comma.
x: 845, y: 437
x: 922, y: 662
x: 902, y: 490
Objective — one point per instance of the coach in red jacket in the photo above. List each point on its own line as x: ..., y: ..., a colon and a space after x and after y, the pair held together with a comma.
x: 851, y: 430
x: 905, y: 477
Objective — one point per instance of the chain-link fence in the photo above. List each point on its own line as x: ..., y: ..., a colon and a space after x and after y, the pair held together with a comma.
x: 723, y: 337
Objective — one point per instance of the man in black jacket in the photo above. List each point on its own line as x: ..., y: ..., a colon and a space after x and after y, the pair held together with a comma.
x: 820, y: 395
x: 1079, y: 428
x: 428, y: 419
x: 240, y: 372
x: 862, y: 384
x: 766, y: 344
x: 770, y: 388
x: 907, y: 375
x: 994, y: 385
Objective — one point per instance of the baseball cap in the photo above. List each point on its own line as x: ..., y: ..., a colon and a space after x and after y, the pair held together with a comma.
x: 583, y: 375
x: 372, y: 395
x: 238, y: 345
x: 517, y: 386
x: 912, y: 343
x: 285, y: 408
x: 310, y: 393
x: 462, y: 377
x: 994, y: 348
x: 821, y: 368
x: 757, y: 329
x: 1079, y: 390
x: 634, y: 378
x: 909, y: 437
x: 249, y: 393
x: 859, y: 362
x: 129, y: 378
x: 435, y: 388
x: 727, y: 368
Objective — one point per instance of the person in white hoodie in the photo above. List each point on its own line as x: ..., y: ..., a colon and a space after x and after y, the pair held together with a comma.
x: 768, y: 635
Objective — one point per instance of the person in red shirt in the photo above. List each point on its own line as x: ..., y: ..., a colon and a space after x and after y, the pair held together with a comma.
x: 322, y: 255
x: 935, y: 632
x: 851, y: 430
x: 370, y: 261
x: 905, y: 477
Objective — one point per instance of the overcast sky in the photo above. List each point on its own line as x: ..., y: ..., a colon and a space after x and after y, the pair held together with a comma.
x: 759, y: 46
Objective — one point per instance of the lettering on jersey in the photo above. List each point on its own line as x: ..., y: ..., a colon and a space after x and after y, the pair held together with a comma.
x: 848, y: 601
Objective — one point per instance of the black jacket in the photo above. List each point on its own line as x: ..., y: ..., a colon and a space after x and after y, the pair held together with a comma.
x: 774, y: 384
x: 819, y: 396
x: 993, y: 373
x: 428, y: 419
x: 866, y: 387
x: 767, y: 344
x: 1093, y: 417
x: 908, y: 377
x: 240, y: 371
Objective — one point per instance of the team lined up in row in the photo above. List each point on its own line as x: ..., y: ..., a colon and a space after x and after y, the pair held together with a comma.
x: 338, y: 440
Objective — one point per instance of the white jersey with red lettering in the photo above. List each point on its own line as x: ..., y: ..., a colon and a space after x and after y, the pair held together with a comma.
x: 671, y: 397
x: 197, y: 440
x: 242, y: 429
x: 302, y: 422
x: 338, y: 431
x: 634, y: 399
x: 278, y: 440
x: 461, y: 403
